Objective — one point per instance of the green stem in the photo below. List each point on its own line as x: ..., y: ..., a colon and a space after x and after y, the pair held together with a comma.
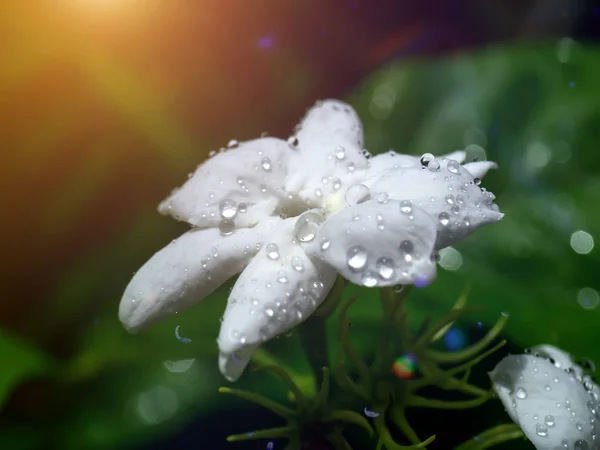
x: 493, y: 436
x: 473, y: 350
x: 272, y: 406
x: 313, y: 338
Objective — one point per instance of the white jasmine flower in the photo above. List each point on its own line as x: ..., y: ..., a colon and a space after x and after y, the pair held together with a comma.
x: 550, y: 398
x: 289, y: 215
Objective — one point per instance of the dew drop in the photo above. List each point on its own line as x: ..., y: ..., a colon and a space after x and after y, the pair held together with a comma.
x: 356, y: 258
x: 581, y: 444
x: 293, y: 141
x: 226, y: 227
x: 460, y: 199
x: 405, y: 206
x: 266, y: 164
x: 337, y: 183
x: 549, y: 421
x: 541, y: 430
x: 242, y: 207
x: 272, y: 251
x: 450, y: 199
x: 521, y: 393
x: 306, y: 227
x: 426, y: 159
x: 297, y: 264
x: 467, y: 221
x: 477, y: 181
x: 434, y: 165
x: 455, y: 209
x: 340, y: 153
x: 282, y: 276
x: 325, y: 244
x: 385, y: 268
x: 444, y: 218
x: 369, y: 279
x: 228, y: 208
x: 233, y: 144
x: 453, y: 166
x: 356, y: 194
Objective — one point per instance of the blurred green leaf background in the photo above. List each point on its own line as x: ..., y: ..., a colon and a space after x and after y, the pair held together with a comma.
x: 72, y: 378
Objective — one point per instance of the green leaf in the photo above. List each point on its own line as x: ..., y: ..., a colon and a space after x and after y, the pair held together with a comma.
x: 21, y: 361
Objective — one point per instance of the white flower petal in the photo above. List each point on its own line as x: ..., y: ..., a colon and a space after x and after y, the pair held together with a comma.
x: 185, y: 271
x: 449, y: 194
x: 379, y: 244
x: 551, y: 406
x: 232, y: 365
x: 393, y: 160
x: 330, y: 140
x: 280, y: 288
x: 243, y: 184
x: 562, y: 359
x: 480, y: 168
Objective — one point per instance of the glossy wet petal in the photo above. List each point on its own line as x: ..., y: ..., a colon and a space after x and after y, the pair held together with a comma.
x: 240, y: 185
x: 446, y: 191
x: 330, y: 143
x: 281, y: 287
x: 393, y: 160
x: 185, y: 271
x: 379, y: 244
x: 552, y: 406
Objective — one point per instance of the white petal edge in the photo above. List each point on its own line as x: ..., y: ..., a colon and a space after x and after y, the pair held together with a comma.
x: 394, y: 160
x: 449, y: 194
x: 185, y: 271
x: 280, y: 288
x: 330, y: 143
x: 379, y: 244
x: 251, y: 175
x: 550, y: 405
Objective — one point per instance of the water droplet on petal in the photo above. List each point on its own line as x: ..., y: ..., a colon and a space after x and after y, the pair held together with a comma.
x: 477, y: 181
x: 521, y: 393
x: 266, y: 164
x: 453, y: 166
x: 356, y: 258
x: 426, y: 159
x: 369, y: 279
x: 337, y: 183
x: 549, y: 421
x: 297, y: 264
x: 444, y: 218
x: 340, y: 153
x: 282, y: 276
x: 228, y: 208
x: 434, y: 165
x: 356, y: 194
x: 232, y: 144
x: 226, y: 227
x: 405, y: 206
x: 450, y: 199
x: 541, y: 430
x: 293, y: 141
x: 325, y: 244
x: 272, y: 251
x: 306, y: 226
x: 385, y: 268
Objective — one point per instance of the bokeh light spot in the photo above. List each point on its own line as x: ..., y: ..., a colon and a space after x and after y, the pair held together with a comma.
x: 450, y: 258
x: 157, y: 405
x: 404, y: 366
x: 588, y: 298
x: 455, y: 339
x: 582, y: 242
